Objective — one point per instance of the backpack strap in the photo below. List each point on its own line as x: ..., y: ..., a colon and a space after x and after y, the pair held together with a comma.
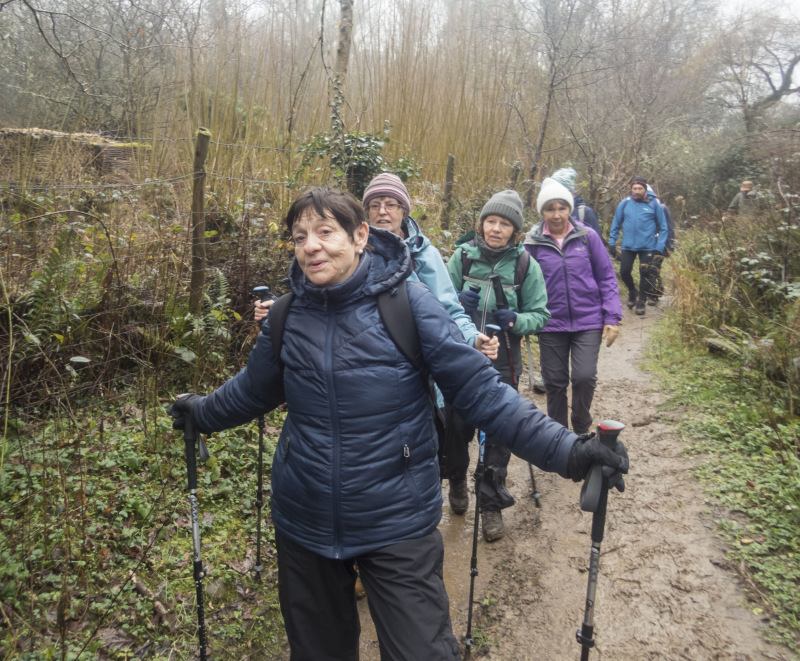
x: 277, y: 322
x: 466, y: 262
x: 520, y: 273
x: 395, y: 310
x: 581, y: 211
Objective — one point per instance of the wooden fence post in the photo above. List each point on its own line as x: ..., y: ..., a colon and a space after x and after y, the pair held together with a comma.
x: 448, y: 192
x: 198, y: 222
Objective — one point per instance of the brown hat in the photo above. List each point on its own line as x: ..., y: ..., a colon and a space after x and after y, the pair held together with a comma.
x: 749, y: 185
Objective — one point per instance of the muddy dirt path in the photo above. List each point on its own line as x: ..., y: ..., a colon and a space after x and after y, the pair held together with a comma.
x: 664, y: 591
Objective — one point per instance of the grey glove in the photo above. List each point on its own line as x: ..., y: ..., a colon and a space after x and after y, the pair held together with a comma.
x: 588, y: 451
x: 181, y: 408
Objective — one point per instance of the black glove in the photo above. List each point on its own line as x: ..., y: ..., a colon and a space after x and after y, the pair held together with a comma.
x: 469, y: 300
x: 504, y: 318
x: 181, y: 408
x: 612, y: 250
x: 588, y: 451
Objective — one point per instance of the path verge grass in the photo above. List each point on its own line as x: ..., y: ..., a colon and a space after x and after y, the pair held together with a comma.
x: 750, y: 466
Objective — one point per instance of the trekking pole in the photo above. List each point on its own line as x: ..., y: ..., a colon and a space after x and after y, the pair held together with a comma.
x: 468, y: 640
x: 194, y: 442
x: 530, y: 361
x: 594, y: 498
x: 501, y: 303
x: 265, y: 295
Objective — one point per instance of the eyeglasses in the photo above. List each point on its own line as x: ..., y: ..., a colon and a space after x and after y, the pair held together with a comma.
x: 389, y: 206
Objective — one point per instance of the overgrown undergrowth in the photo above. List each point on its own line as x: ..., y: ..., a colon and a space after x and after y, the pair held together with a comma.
x: 735, y: 418
x: 96, y: 543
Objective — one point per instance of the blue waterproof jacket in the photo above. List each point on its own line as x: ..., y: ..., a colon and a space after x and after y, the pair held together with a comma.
x: 356, y: 467
x: 430, y: 270
x: 643, y: 225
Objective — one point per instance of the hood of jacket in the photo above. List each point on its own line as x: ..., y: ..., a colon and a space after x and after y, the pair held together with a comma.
x: 415, y: 239
x: 385, y: 262
x: 578, y: 200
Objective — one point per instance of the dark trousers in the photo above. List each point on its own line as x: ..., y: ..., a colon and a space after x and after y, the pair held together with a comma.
x: 406, y: 598
x: 455, y: 460
x: 557, y: 351
x: 648, y: 274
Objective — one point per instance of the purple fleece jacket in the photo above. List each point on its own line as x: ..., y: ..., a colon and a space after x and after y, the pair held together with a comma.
x: 582, y: 290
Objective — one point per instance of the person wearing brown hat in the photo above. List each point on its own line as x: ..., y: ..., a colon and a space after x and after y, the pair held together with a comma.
x: 644, y: 235
x: 746, y: 200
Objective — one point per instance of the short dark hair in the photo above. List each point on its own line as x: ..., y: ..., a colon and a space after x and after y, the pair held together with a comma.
x: 345, y: 209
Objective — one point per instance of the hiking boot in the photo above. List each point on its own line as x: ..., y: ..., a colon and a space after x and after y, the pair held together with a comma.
x: 493, y: 527
x: 539, y: 388
x: 632, y: 295
x: 640, y: 309
x: 653, y: 300
x: 458, y: 496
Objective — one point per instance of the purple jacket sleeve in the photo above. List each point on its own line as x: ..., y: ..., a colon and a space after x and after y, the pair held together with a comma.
x: 606, y: 279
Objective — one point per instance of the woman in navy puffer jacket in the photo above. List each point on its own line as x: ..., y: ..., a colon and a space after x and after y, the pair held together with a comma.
x: 355, y: 474
x: 583, y: 301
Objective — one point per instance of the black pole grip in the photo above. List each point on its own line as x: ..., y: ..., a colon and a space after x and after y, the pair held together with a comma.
x: 492, y: 330
x: 595, y: 483
x: 500, y: 300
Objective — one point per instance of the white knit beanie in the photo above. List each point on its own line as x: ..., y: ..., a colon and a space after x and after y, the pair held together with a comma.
x: 552, y: 190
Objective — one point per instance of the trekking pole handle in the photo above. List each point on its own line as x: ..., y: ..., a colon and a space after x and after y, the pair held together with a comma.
x: 500, y: 299
x: 595, y: 483
x: 265, y: 294
x: 492, y: 330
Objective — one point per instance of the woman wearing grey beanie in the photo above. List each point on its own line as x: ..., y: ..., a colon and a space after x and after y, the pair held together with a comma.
x: 494, y: 248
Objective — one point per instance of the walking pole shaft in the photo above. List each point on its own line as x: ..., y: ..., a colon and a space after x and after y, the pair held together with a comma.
x: 468, y: 640
x: 265, y: 294
x: 190, y: 441
x: 594, y: 498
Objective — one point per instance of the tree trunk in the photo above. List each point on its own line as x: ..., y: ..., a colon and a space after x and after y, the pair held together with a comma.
x: 338, y: 155
x: 537, y: 152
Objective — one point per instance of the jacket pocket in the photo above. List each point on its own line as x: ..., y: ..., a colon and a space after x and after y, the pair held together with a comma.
x: 409, y: 478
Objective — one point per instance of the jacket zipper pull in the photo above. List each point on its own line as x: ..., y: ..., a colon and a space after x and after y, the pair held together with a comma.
x: 406, y: 452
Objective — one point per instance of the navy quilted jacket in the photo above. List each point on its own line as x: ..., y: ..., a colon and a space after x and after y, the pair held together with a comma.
x: 356, y: 468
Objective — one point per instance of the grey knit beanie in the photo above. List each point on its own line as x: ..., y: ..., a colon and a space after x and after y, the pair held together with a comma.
x: 507, y: 204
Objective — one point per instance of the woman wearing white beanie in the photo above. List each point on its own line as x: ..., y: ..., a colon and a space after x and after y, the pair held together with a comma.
x: 583, y: 300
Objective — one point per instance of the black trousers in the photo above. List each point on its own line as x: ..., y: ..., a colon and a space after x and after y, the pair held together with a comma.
x: 406, y: 598
x: 648, y: 274
x: 454, y: 460
x: 559, y: 352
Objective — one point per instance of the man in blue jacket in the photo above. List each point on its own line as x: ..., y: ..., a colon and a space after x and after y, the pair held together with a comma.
x: 644, y: 235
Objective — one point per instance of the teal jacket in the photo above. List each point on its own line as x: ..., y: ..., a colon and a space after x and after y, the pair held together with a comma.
x: 533, y: 316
